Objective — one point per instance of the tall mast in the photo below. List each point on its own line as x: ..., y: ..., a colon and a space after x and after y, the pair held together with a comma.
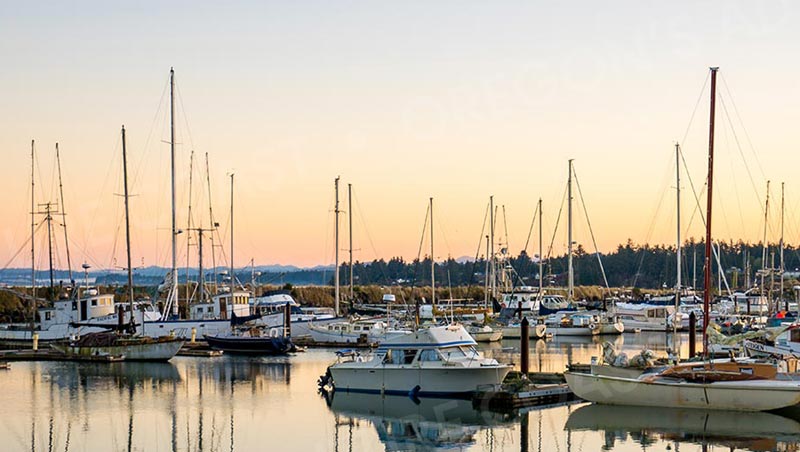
x: 49, y: 219
x: 541, y: 259
x: 350, y: 228
x: 491, y: 241
x: 336, y: 245
x: 189, y: 224
x: 486, y: 276
x: 213, y: 225
x: 710, y: 181
x: 233, y: 276
x: 570, y: 277
x: 127, y: 228
x: 433, y: 267
x: 174, y: 289
x: 764, y: 247
x: 33, y: 241
x: 782, y: 267
x: 678, y: 231
x: 63, y: 214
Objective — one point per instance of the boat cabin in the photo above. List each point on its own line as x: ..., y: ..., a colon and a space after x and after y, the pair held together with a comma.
x: 92, y: 305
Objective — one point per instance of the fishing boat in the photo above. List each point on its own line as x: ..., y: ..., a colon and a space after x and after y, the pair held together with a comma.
x: 644, y: 317
x: 124, y: 341
x: 436, y: 361
x: 367, y: 331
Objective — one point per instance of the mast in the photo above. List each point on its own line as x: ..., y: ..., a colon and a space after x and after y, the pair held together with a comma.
x: 707, y: 266
x: 764, y: 247
x: 782, y: 267
x: 127, y: 229
x: 336, y: 246
x: 63, y: 214
x: 678, y: 230
x: 350, y: 228
x: 189, y: 225
x: 233, y: 277
x: 491, y: 241
x: 214, y: 225
x: 570, y: 277
x: 486, y: 276
x: 33, y: 241
x: 433, y: 267
x: 541, y: 259
x: 49, y: 219
x: 173, y: 301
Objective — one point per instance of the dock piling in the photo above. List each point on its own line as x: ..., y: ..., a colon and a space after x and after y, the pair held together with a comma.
x: 524, y: 347
x: 692, y: 328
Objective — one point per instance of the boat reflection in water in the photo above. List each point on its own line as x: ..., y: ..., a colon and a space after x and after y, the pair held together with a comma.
x: 647, y: 425
x: 403, y: 423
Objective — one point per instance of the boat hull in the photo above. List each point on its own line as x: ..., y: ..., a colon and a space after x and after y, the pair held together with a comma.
x: 763, y: 395
x: 538, y: 331
x: 417, y: 381
x: 251, y: 345
x: 161, y: 350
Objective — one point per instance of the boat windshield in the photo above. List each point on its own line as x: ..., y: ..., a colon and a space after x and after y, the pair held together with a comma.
x: 461, y: 352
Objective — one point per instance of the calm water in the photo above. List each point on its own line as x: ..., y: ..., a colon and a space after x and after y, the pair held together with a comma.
x: 241, y: 404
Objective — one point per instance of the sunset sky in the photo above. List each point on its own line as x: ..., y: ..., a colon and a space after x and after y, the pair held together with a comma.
x: 455, y: 100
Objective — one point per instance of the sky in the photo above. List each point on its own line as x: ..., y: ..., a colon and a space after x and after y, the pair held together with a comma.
x: 455, y: 100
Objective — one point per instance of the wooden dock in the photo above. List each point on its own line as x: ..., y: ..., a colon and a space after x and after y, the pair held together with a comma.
x: 306, y: 341
x: 534, y: 395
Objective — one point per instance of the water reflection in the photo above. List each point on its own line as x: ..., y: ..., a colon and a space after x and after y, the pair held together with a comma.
x: 424, y: 424
x: 648, y: 426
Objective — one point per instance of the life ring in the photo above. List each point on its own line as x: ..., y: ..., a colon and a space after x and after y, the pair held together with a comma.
x: 592, y: 326
x: 273, y: 332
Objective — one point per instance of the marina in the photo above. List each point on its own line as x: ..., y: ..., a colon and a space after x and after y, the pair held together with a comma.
x: 230, y: 402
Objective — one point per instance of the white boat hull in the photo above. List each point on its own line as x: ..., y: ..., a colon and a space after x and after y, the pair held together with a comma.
x: 537, y: 331
x: 573, y: 331
x: 325, y: 336
x: 422, y: 381
x: 757, y: 395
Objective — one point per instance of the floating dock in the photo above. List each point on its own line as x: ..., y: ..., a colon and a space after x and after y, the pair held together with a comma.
x: 306, y: 341
x: 534, y: 395
x: 198, y: 349
x: 52, y: 355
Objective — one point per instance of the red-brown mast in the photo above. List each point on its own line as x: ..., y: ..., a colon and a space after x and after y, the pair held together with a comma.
x: 707, y: 270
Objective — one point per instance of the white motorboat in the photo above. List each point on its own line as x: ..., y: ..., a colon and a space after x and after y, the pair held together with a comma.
x: 484, y: 333
x: 644, y: 317
x: 513, y: 330
x: 572, y: 324
x: 129, y: 347
x: 436, y: 361
x: 350, y: 332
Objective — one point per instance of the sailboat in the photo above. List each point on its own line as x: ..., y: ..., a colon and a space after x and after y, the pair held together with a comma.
x: 244, y: 337
x: 734, y: 385
x: 124, y: 340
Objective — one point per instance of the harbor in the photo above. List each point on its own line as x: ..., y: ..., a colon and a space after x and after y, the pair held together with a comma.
x: 232, y: 402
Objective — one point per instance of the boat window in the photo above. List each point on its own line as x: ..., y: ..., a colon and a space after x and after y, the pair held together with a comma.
x: 356, y: 328
x: 387, y: 358
x: 48, y: 315
x: 429, y: 355
x: 408, y: 356
x: 795, y: 336
x: 94, y: 302
x: 74, y: 305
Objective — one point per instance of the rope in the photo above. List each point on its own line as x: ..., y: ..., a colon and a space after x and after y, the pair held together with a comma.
x: 530, y: 231
x: 591, y: 231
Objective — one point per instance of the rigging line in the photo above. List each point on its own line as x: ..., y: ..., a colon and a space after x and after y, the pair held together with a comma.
x: 739, y: 148
x: 741, y: 122
x: 530, y: 231
x: 363, y: 219
x: 22, y: 248
x: 480, y: 245
x: 591, y: 231
x: 696, y: 105
x: 442, y: 228
x: 505, y: 230
x: 422, y: 238
x: 651, y: 227
x: 144, y: 157
x: 558, y: 221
